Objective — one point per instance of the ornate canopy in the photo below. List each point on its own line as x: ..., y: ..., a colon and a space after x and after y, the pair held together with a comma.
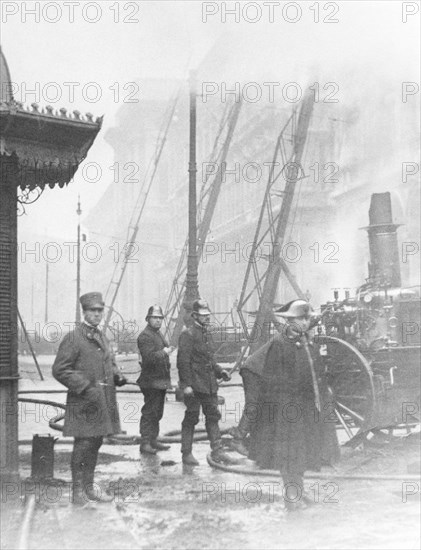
x: 44, y: 146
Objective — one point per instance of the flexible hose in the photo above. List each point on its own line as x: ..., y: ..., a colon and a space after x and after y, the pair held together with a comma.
x: 42, y: 402
x: 119, y: 390
x: 23, y: 543
x: 174, y: 436
x: 123, y: 439
x: 320, y: 475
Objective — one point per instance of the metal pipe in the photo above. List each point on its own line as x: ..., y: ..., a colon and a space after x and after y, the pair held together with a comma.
x: 350, y: 412
x: 384, y: 268
x: 344, y: 424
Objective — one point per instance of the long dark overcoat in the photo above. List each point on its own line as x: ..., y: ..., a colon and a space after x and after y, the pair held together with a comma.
x: 289, y: 433
x: 84, y: 360
x: 156, y: 366
x: 195, y: 360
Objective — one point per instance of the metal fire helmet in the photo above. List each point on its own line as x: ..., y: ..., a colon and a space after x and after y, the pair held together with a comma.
x: 201, y: 307
x: 296, y: 308
x: 155, y: 311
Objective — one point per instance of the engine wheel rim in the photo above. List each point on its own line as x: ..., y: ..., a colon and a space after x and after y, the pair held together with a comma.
x: 351, y: 384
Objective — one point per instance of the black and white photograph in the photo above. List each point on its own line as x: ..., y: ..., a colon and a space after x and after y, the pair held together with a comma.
x: 210, y: 298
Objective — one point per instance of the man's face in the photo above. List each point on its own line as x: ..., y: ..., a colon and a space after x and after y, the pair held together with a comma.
x: 155, y: 322
x: 300, y: 325
x: 93, y: 315
x: 203, y: 319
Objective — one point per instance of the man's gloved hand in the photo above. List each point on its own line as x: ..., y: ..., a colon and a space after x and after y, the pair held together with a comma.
x: 188, y: 390
x: 120, y: 380
x: 92, y: 393
x: 225, y: 375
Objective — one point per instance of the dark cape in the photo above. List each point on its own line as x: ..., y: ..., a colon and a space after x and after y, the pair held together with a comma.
x: 288, y: 432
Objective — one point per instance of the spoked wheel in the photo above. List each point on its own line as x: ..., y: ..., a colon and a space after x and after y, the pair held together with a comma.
x: 350, y: 381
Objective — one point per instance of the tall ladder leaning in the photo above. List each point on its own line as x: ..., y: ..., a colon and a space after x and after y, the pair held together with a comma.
x: 273, y: 222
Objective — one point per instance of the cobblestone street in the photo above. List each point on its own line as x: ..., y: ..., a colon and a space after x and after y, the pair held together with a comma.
x: 158, y: 503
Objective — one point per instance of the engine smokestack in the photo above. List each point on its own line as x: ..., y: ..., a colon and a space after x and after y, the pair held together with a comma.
x: 383, y: 268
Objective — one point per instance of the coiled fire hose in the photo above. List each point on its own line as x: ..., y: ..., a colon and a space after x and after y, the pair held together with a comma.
x: 201, y: 435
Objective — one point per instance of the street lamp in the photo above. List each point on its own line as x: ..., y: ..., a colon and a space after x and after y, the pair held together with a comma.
x: 192, y: 284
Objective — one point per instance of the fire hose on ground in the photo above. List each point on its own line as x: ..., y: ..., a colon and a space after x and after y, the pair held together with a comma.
x: 201, y: 435
x: 28, y: 515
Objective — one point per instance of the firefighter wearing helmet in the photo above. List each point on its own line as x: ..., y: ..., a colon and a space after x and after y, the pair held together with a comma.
x: 299, y: 433
x: 198, y: 374
x: 154, y: 379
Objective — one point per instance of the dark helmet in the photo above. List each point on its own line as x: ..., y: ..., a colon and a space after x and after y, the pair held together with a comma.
x: 200, y: 307
x: 296, y: 308
x: 155, y: 311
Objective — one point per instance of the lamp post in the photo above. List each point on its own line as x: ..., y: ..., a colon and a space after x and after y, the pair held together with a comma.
x: 192, y: 284
x: 78, y: 212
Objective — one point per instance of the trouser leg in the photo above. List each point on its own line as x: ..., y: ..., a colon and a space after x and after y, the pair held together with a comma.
x: 152, y: 411
x: 159, y: 403
x: 83, y: 462
x: 212, y: 417
x: 191, y: 418
x: 77, y: 466
x: 293, y: 489
x: 91, y: 461
x: 251, y: 384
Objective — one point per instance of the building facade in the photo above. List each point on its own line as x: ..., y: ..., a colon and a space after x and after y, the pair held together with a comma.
x: 355, y: 146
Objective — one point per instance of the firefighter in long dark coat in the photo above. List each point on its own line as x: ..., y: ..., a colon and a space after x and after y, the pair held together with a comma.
x: 86, y: 366
x: 251, y: 372
x: 154, y: 379
x: 295, y: 429
x: 198, y: 372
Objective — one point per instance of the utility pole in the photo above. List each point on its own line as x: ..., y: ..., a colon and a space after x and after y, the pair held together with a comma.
x: 192, y: 284
x: 46, y: 292
x: 32, y: 300
x: 78, y: 212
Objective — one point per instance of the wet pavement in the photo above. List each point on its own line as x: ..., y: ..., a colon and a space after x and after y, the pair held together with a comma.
x: 159, y: 503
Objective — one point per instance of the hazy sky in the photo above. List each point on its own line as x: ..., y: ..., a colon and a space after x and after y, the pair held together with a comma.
x: 369, y: 43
